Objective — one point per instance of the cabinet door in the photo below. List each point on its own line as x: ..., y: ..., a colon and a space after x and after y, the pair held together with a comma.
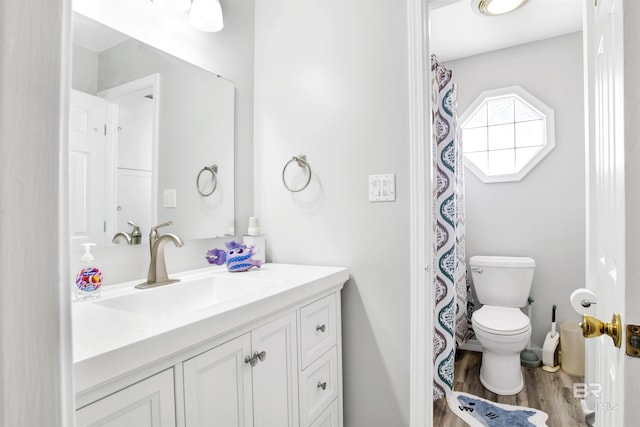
x: 217, y: 386
x: 275, y: 379
x: 147, y: 403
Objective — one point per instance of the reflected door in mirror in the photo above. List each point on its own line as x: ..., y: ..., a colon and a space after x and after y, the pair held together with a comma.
x: 87, y: 174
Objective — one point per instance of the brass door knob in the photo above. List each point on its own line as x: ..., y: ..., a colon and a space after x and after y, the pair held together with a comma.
x: 593, y: 327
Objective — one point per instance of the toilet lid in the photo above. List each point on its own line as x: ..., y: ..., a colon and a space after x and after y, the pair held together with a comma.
x: 500, y: 320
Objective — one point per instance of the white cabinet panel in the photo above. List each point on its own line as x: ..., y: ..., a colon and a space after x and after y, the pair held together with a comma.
x: 317, y: 328
x: 217, y: 386
x: 329, y: 418
x: 319, y: 386
x: 275, y: 385
x: 147, y: 403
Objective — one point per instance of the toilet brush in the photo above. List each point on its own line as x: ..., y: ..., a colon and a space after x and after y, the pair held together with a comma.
x: 528, y: 357
x: 551, y: 346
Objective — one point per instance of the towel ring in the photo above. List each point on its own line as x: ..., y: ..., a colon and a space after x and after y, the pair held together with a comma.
x: 214, y: 174
x: 301, y: 160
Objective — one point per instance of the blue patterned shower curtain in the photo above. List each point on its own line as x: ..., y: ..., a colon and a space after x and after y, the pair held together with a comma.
x: 450, y: 276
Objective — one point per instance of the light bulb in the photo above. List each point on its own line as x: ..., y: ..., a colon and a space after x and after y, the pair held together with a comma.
x: 496, y: 7
x: 206, y: 15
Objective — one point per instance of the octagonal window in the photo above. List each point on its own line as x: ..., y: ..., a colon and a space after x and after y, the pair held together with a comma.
x: 505, y: 134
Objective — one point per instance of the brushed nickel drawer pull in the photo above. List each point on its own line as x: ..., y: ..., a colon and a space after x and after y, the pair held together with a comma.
x: 321, y: 328
x: 322, y: 385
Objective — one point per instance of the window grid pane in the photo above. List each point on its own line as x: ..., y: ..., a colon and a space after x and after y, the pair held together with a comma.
x: 478, y: 119
x: 502, y: 162
x: 500, y: 111
x: 501, y: 137
x: 474, y: 140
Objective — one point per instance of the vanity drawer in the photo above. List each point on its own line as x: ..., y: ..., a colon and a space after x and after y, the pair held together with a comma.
x: 329, y: 418
x: 318, y: 329
x: 319, y: 386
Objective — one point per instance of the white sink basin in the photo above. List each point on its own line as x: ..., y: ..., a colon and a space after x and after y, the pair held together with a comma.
x: 187, y: 296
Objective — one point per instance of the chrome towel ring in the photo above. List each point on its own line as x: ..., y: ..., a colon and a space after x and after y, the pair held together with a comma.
x: 301, y: 160
x: 214, y: 176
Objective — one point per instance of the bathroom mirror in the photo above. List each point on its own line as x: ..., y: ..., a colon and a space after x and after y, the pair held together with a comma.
x: 151, y: 139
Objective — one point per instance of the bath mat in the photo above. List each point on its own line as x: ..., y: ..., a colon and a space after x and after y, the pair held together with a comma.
x: 478, y: 412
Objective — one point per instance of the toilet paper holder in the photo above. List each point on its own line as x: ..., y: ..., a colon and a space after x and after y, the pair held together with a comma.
x: 586, y: 303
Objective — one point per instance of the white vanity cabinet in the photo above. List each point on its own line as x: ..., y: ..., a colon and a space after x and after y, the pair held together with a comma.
x: 248, y: 381
x: 274, y: 361
x: 148, y: 403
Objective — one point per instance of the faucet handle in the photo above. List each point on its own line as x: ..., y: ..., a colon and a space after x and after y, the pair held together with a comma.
x: 153, y: 234
x: 136, y: 229
x: 136, y: 235
x: 162, y: 224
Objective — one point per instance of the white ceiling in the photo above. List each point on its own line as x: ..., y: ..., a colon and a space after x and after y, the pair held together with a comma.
x: 457, y: 32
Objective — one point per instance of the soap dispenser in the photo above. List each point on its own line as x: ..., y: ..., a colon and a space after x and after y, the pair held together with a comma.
x: 255, y: 238
x: 89, y: 278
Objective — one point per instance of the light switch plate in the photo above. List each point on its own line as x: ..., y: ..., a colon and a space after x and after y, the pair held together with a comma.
x: 382, y: 188
x: 169, y: 198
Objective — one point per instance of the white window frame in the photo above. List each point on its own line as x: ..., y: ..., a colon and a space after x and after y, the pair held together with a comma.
x: 528, y: 99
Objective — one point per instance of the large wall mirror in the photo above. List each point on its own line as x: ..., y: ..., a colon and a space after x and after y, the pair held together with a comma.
x: 151, y: 139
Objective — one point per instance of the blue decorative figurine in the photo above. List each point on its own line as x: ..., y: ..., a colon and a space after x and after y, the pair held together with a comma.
x: 238, y: 257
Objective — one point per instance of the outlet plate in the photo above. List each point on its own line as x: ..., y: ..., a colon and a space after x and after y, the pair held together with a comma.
x: 169, y: 198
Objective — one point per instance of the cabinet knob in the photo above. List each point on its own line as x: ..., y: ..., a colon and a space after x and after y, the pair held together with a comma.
x: 261, y: 356
x: 252, y: 360
x: 321, y: 328
x: 322, y: 385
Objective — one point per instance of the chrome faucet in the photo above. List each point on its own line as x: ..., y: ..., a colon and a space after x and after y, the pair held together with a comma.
x: 157, y: 275
x: 132, y: 238
x: 121, y: 235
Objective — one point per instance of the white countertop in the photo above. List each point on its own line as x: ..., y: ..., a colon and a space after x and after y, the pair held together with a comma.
x: 109, y: 342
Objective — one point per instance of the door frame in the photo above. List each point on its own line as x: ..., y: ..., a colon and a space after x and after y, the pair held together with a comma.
x: 420, y: 211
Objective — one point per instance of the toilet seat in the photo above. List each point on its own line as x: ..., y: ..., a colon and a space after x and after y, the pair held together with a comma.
x: 500, y: 320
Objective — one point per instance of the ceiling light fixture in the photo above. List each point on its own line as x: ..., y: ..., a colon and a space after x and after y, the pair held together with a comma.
x: 205, y: 15
x: 496, y: 7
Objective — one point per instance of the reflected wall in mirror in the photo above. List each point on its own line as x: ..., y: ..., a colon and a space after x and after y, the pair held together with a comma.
x: 143, y: 124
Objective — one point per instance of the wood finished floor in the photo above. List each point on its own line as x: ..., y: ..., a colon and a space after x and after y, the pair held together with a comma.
x: 549, y: 392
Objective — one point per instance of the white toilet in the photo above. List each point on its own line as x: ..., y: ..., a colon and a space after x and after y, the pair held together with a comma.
x: 502, y: 285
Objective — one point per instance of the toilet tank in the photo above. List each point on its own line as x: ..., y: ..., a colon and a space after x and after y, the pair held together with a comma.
x: 502, y: 281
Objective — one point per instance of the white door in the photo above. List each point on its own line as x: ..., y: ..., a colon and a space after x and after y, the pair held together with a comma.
x: 134, y: 135
x: 149, y: 403
x: 606, y: 204
x: 87, y: 168
x: 275, y: 377
x: 217, y: 386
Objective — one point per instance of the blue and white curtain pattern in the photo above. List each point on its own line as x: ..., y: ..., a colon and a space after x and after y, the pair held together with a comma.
x: 450, y: 277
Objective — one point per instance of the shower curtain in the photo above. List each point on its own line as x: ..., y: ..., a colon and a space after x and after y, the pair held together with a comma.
x: 450, y: 276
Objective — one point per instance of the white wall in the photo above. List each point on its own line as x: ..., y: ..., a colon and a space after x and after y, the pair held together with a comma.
x: 331, y: 82
x: 228, y: 53
x: 84, y: 73
x: 542, y: 216
x: 35, y: 356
